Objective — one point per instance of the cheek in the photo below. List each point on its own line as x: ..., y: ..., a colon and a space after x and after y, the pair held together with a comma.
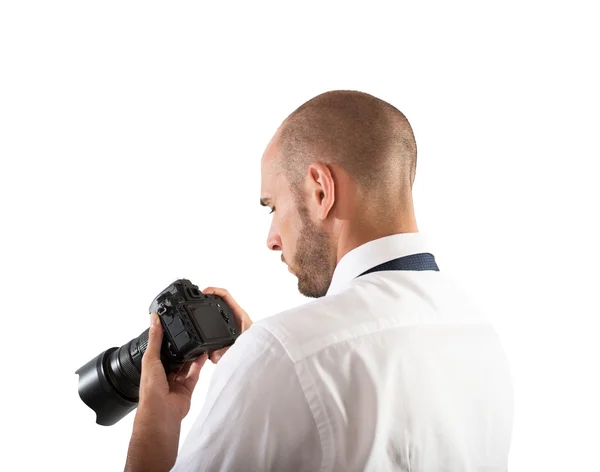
x: 289, y: 230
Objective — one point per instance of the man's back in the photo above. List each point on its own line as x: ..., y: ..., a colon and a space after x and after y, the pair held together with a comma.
x: 389, y: 371
x: 408, y: 375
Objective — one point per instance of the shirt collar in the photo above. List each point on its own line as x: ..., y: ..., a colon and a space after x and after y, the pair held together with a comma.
x: 373, y: 253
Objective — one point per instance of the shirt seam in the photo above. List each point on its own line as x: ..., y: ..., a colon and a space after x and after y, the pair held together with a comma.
x: 379, y: 330
x: 326, y: 459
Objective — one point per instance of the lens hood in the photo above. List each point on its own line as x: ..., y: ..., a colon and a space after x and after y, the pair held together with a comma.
x: 97, y: 392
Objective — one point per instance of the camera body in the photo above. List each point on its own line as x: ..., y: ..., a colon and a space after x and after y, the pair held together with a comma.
x: 193, y: 323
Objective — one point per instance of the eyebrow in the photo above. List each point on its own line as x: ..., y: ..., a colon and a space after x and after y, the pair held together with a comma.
x: 265, y: 201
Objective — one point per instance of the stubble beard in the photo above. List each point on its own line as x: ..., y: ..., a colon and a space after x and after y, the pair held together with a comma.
x: 312, y: 261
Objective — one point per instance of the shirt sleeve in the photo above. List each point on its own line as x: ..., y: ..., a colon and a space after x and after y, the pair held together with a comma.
x: 256, y: 416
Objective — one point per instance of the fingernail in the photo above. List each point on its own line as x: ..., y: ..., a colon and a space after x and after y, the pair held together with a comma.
x: 153, y: 319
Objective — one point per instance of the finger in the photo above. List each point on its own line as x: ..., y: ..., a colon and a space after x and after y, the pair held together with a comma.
x: 155, y: 337
x: 194, y: 373
x: 173, y: 375
x: 183, y: 371
x: 216, y: 355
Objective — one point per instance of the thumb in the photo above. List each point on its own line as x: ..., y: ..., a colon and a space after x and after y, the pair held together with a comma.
x: 194, y: 373
x: 216, y: 355
x: 155, y: 337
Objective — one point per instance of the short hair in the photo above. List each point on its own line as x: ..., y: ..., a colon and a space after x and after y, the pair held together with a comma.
x: 366, y: 136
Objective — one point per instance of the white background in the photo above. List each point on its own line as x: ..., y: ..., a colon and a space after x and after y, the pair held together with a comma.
x: 130, y: 143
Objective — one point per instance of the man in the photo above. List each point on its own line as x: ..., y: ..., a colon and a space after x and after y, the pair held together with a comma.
x: 389, y: 370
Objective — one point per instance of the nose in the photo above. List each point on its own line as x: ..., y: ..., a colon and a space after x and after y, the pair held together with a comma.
x: 274, y: 240
x: 273, y: 245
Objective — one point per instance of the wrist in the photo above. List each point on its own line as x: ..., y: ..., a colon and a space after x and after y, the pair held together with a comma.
x: 158, y: 414
x: 155, y: 440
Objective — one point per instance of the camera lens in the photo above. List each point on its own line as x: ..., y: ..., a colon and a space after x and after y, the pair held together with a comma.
x: 109, y: 384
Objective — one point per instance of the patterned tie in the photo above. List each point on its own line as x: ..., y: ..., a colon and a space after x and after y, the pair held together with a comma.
x: 422, y: 261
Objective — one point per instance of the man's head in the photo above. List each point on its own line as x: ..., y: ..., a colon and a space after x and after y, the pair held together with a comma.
x: 337, y: 173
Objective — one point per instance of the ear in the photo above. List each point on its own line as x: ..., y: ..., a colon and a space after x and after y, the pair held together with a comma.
x: 321, y: 188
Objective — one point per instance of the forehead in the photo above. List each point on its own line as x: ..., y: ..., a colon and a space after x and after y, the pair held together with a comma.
x: 269, y: 169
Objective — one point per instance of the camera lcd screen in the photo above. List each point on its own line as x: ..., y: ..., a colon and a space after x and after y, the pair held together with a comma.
x: 211, y: 323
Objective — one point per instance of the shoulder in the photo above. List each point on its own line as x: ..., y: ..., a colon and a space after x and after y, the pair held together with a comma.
x: 377, y: 302
x: 302, y: 329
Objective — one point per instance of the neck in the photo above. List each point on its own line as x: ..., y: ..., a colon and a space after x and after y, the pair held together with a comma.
x: 355, y: 233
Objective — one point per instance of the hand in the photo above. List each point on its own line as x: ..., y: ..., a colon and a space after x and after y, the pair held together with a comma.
x: 164, y: 402
x: 170, y: 395
x: 242, y: 319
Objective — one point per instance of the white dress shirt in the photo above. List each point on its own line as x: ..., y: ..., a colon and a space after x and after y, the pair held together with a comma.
x: 392, y: 370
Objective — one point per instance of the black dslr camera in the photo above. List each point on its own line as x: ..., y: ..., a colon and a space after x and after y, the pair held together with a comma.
x: 193, y: 323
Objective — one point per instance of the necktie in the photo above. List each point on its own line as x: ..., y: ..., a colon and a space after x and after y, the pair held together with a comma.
x: 421, y: 261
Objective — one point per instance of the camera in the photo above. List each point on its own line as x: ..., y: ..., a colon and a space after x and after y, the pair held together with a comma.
x: 193, y: 323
